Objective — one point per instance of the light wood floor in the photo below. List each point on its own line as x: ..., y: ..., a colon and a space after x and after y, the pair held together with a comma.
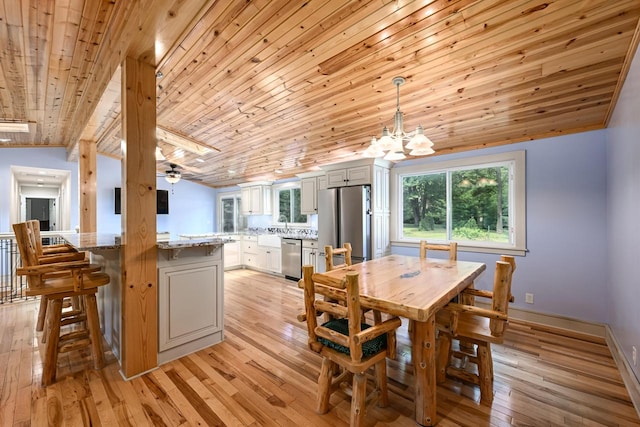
x: 264, y: 375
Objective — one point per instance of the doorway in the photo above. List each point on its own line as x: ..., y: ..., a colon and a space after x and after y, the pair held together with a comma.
x: 43, y: 194
x: 44, y: 210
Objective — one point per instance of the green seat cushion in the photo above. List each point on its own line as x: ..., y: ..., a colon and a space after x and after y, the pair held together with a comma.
x: 341, y: 326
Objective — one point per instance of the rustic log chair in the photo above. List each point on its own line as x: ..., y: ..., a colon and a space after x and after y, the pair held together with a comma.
x: 478, y: 326
x: 330, y: 252
x: 58, y: 281
x: 345, y: 342
x: 452, y: 248
x: 52, y: 254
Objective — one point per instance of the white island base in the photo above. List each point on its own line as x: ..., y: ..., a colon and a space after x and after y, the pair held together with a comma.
x: 190, y: 292
x: 190, y: 300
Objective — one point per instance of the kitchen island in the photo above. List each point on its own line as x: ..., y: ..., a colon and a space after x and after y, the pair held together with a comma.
x: 190, y: 292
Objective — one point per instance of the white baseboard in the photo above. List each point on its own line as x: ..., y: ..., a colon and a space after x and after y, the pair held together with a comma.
x: 629, y: 378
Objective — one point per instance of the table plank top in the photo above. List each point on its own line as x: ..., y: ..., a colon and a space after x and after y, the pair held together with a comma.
x: 408, y: 286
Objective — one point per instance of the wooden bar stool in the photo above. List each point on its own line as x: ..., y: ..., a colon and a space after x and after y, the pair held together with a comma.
x: 57, y: 281
x: 52, y: 254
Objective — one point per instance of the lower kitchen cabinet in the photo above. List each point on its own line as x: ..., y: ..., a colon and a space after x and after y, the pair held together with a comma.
x: 311, y: 255
x: 232, y: 255
x: 190, y: 301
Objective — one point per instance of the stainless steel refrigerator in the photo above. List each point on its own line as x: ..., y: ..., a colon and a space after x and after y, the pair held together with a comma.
x: 344, y: 215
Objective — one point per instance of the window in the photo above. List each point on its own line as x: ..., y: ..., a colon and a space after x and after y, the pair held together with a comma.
x: 287, y: 200
x: 477, y: 202
x: 230, y: 218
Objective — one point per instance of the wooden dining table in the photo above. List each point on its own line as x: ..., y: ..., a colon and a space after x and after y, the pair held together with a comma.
x: 414, y: 288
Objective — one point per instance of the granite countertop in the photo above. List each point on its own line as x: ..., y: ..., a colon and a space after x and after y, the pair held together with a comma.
x: 190, y: 243
x: 90, y: 241
x: 302, y: 234
x: 93, y: 241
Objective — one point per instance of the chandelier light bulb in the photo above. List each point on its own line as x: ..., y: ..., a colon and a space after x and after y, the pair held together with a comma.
x: 393, y: 144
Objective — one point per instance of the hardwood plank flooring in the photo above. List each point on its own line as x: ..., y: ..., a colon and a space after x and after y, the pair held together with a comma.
x: 264, y: 375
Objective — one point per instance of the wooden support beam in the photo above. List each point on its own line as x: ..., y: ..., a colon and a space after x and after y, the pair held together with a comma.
x: 138, y: 251
x: 88, y: 176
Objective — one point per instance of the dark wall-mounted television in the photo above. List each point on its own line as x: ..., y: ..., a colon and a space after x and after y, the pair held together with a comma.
x: 162, y: 202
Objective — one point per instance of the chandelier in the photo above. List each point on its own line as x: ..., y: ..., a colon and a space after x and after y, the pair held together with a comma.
x: 391, y: 145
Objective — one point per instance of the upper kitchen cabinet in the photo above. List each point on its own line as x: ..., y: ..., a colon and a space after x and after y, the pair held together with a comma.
x: 357, y: 175
x: 256, y: 198
x: 310, y: 183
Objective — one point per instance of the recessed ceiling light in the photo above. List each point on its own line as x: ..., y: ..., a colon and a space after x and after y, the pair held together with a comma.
x: 231, y: 171
x: 5, y: 140
x: 278, y: 171
x: 199, y: 160
x: 40, y: 180
x: 14, y: 127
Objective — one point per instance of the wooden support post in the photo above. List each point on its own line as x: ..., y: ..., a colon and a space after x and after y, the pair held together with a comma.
x: 87, y: 170
x: 138, y: 250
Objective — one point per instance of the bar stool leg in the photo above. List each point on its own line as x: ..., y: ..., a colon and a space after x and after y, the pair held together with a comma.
x: 51, y: 349
x: 93, y: 324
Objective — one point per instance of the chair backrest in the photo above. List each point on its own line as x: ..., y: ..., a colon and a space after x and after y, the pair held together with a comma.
x: 34, y: 228
x: 316, y: 285
x: 329, y: 253
x: 501, y: 292
x: 452, y: 248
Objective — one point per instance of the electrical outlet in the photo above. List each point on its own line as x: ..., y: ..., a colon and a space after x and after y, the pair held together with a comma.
x: 528, y: 298
x: 634, y: 355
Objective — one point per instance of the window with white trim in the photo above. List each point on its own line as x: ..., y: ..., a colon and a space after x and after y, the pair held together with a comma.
x: 286, y: 201
x: 478, y: 202
x: 230, y: 218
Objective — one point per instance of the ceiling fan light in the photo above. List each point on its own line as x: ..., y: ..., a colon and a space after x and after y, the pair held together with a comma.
x: 172, y: 178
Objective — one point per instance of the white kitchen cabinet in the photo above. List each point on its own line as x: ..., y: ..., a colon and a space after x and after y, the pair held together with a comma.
x: 309, y: 196
x: 256, y: 198
x: 232, y: 255
x: 357, y: 175
x: 190, y: 300
x: 273, y: 260
x: 311, y: 255
x: 250, y: 256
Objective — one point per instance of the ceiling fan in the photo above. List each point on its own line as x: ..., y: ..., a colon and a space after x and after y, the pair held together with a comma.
x: 173, y: 175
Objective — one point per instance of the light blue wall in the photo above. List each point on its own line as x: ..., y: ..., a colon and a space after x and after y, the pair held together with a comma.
x: 192, y: 207
x: 623, y: 211
x: 48, y: 158
x: 565, y: 266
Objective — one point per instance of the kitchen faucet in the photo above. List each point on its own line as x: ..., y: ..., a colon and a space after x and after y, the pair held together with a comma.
x: 284, y: 219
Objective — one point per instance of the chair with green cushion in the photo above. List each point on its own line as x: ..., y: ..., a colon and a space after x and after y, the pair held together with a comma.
x: 345, y: 342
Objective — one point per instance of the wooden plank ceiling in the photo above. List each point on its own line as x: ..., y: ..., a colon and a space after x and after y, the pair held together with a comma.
x: 251, y: 87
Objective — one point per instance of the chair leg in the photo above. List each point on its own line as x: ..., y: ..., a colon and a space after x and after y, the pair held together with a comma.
x: 324, y: 386
x: 381, y: 382
x: 485, y: 372
x: 93, y: 324
x: 443, y: 356
x: 42, y: 313
x: 358, y: 401
x: 51, y: 349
